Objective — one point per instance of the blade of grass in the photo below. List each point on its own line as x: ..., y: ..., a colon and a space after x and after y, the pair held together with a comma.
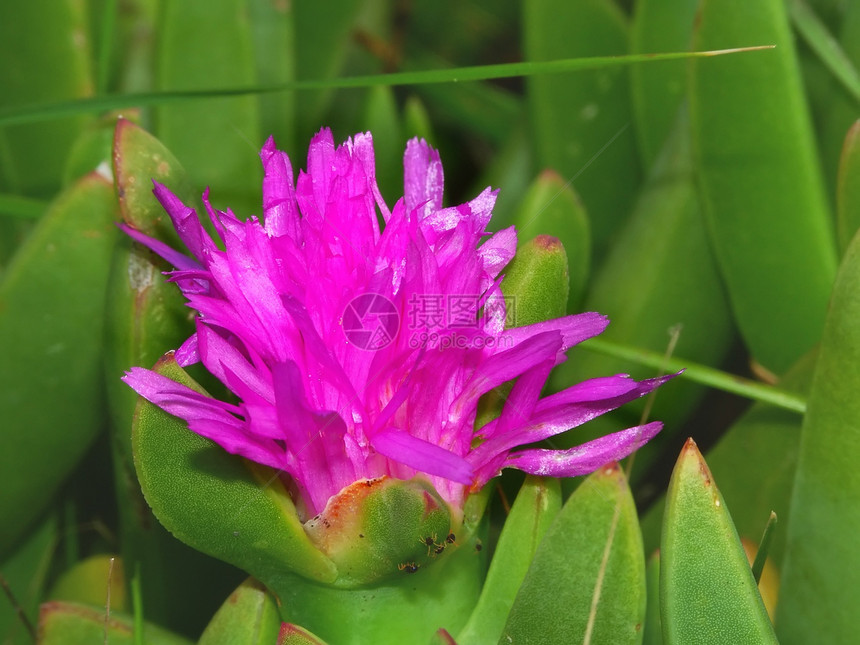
x: 826, y: 47
x: 764, y: 547
x: 46, y: 111
x: 700, y: 374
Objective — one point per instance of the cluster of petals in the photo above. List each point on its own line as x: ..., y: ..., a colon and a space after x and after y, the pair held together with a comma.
x: 308, y: 400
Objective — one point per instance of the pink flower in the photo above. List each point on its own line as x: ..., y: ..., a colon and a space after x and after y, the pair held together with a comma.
x: 356, y: 352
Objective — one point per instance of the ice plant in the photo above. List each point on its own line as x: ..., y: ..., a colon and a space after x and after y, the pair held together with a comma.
x: 357, y: 351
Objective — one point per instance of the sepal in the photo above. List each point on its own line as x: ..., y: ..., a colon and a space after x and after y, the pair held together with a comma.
x: 381, y: 527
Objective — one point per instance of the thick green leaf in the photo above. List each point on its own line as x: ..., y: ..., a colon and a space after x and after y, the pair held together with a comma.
x: 248, y: 617
x: 838, y: 109
x: 763, y: 195
x: 580, y: 122
x: 87, y: 583
x: 535, y: 288
x: 821, y: 573
x: 45, y: 49
x: 658, y: 90
x: 51, y: 312
x: 551, y: 207
x: 536, y: 282
x: 147, y: 316
x: 407, y: 610
x: 25, y: 572
x: 212, y: 500
x: 201, y: 43
x: 587, y: 581
x: 653, y: 633
x: 660, y: 274
x: 376, y: 530
x: 534, y: 510
x: 91, y: 150
x: 707, y: 591
x: 66, y: 623
x: 755, y: 462
x: 138, y: 158
x: 848, y: 189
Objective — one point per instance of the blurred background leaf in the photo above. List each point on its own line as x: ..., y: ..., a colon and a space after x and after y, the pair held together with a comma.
x: 723, y: 223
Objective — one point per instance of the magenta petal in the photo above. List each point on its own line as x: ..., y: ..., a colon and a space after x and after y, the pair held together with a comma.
x: 173, y: 397
x: 206, y: 416
x: 279, y: 196
x: 552, y: 415
x: 422, y: 455
x: 423, y: 178
x: 362, y: 149
x: 617, y: 389
x: 520, y: 404
x: 508, y: 364
x: 175, y: 258
x: 498, y: 251
x: 599, y: 389
x: 574, y: 329
x: 188, y: 354
x: 185, y: 221
x: 228, y: 364
x: 586, y: 458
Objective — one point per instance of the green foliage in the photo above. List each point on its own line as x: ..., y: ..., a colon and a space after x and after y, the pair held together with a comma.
x: 848, y: 189
x: 581, y: 123
x: 210, y: 499
x: 823, y: 510
x: 534, y: 510
x: 52, y: 45
x: 249, y: 616
x: 763, y: 196
x: 551, y: 207
x: 50, y: 325
x: 707, y: 590
x: 587, y: 580
x: 66, y: 623
x: 712, y: 184
x: 145, y: 314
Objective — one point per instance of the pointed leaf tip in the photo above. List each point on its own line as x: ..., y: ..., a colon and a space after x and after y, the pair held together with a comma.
x: 707, y: 590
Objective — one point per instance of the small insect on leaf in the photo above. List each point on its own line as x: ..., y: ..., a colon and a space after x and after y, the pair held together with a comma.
x: 408, y: 567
